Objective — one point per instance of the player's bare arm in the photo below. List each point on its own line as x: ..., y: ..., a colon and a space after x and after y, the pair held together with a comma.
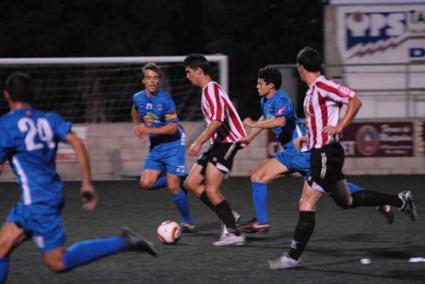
x: 353, y: 107
x: 87, y: 190
x: 195, y: 148
x: 269, y: 123
x: 170, y: 128
x: 254, y: 131
x: 1, y: 168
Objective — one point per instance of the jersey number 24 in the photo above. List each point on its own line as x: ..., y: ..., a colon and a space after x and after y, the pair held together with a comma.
x: 39, y: 129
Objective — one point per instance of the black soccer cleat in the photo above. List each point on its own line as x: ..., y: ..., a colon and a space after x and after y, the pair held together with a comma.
x: 388, y: 212
x: 408, y: 205
x: 136, y: 242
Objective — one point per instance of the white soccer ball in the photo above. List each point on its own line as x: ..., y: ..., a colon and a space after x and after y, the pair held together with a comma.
x: 169, y: 232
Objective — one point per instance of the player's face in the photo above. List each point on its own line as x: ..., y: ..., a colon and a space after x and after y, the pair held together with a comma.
x: 192, y: 75
x: 151, y: 81
x: 263, y: 88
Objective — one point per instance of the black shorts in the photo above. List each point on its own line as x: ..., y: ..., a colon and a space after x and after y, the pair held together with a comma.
x: 220, y: 155
x: 326, y: 167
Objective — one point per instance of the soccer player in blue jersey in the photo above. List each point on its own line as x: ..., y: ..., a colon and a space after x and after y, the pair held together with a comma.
x: 28, y: 140
x: 166, y: 163
x: 278, y: 115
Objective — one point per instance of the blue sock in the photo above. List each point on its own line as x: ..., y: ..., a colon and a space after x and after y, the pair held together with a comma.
x: 87, y: 251
x: 181, y: 202
x: 160, y: 182
x: 4, y: 268
x: 259, y: 197
x: 353, y: 187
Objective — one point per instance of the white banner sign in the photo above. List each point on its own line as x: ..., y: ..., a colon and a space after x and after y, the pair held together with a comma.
x: 381, y: 33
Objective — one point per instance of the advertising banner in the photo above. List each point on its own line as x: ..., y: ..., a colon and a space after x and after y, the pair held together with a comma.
x: 368, y: 139
x: 381, y: 33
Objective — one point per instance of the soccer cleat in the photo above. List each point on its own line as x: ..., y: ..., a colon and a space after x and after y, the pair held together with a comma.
x: 230, y: 239
x: 387, y: 211
x: 254, y: 227
x: 283, y: 262
x: 187, y: 227
x: 408, y: 205
x: 136, y: 242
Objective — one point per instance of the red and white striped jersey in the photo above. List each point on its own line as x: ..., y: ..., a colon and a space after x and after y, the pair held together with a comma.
x: 216, y: 105
x: 322, y: 105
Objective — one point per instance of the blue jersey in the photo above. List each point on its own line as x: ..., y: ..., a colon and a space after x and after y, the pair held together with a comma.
x: 28, y: 140
x: 281, y: 105
x: 157, y: 111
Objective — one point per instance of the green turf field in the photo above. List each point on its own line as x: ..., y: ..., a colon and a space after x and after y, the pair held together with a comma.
x: 340, y: 240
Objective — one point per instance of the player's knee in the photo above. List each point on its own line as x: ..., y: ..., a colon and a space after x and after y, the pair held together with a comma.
x: 144, y: 184
x: 55, y: 265
x: 189, y: 185
x: 258, y: 177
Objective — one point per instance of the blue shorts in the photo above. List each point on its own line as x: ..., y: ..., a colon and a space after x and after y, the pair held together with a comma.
x: 295, y: 161
x: 169, y: 157
x: 42, y: 223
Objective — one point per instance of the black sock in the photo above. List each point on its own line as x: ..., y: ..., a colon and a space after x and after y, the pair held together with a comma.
x: 374, y: 198
x: 303, y: 231
x: 204, y: 198
x: 226, y: 215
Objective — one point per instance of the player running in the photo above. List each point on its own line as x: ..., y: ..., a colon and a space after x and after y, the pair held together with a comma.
x: 322, y: 106
x: 224, y: 129
x: 28, y: 140
x: 165, y: 164
x: 279, y: 115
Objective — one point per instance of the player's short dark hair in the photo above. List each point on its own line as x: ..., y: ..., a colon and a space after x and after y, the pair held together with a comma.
x: 310, y: 59
x: 196, y: 61
x: 153, y: 67
x: 270, y: 75
x: 19, y: 87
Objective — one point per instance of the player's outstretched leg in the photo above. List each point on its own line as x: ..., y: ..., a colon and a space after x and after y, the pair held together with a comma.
x: 386, y: 210
x: 180, y: 199
x: 4, y: 268
x: 259, y: 224
x: 84, y: 252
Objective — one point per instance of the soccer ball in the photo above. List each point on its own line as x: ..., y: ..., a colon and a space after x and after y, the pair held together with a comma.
x: 169, y: 232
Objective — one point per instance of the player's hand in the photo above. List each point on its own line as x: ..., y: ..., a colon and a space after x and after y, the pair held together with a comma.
x: 141, y: 130
x: 244, y: 141
x: 89, y: 197
x: 300, y: 142
x: 248, y: 122
x: 331, y: 130
x: 194, y: 149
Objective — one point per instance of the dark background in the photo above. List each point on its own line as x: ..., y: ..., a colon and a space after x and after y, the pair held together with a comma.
x: 252, y: 33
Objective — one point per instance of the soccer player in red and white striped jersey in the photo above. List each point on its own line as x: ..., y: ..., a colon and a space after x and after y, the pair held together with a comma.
x: 322, y: 106
x: 224, y: 130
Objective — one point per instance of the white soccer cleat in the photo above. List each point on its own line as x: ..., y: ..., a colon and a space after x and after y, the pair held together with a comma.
x: 283, y: 262
x: 230, y: 239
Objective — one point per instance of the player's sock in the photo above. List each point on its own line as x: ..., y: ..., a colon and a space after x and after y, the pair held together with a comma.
x: 259, y: 198
x: 303, y: 231
x: 374, y: 198
x: 181, y: 202
x: 84, y: 252
x: 4, y: 268
x: 160, y: 182
x: 226, y: 215
x: 353, y: 187
x: 204, y: 198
